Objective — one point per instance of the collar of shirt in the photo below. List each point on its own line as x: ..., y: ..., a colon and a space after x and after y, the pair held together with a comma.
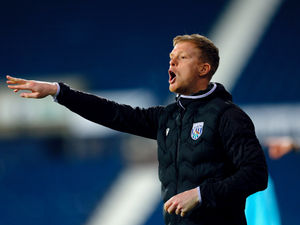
x: 184, y: 100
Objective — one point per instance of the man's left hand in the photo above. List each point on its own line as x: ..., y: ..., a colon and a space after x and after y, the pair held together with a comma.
x: 182, y: 202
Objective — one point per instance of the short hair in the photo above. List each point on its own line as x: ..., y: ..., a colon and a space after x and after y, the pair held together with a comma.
x: 209, y: 52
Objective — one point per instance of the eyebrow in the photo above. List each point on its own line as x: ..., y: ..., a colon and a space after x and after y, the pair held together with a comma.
x: 180, y: 52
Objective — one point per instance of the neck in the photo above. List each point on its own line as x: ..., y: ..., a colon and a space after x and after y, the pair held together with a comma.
x: 202, y: 86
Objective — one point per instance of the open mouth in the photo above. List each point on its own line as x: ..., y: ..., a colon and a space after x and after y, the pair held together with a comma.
x: 172, y: 77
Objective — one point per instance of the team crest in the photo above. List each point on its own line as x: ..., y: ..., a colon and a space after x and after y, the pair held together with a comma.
x: 197, y: 130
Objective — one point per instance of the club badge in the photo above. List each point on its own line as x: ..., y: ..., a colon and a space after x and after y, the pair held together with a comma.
x: 197, y: 130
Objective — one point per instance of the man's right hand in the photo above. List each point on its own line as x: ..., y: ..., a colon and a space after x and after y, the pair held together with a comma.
x: 37, y: 89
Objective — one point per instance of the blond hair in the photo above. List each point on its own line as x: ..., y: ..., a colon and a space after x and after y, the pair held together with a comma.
x: 209, y: 52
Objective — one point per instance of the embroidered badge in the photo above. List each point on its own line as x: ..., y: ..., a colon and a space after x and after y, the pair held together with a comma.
x: 167, y: 131
x: 197, y: 130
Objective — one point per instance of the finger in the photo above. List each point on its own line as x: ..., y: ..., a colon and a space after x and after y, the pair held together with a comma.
x: 167, y: 205
x: 14, y: 79
x: 11, y: 82
x: 15, y: 82
x: 178, y: 210
x: 29, y: 95
x: 19, y: 87
x: 13, y: 87
x: 9, y: 77
x: 172, y: 208
x: 182, y: 214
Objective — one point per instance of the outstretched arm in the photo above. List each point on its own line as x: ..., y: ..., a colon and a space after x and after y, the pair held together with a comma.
x: 280, y: 146
x: 38, y: 89
x: 121, y: 117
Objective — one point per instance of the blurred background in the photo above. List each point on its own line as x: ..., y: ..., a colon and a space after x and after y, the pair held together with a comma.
x: 57, y: 168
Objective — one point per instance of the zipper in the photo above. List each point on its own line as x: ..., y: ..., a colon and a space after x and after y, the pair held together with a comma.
x: 179, y: 124
x: 176, y: 162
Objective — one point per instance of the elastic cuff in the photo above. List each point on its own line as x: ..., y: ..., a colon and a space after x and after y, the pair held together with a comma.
x: 57, y: 92
x: 199, y: 195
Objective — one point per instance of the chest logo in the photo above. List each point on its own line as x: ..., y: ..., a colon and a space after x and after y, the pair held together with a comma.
x: 167, y: 131
x: 197, y: 130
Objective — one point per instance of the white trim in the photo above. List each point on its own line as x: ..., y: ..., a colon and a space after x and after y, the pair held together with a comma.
x: 181, y: 105
x: 131, y: 200
x: 200, y: 96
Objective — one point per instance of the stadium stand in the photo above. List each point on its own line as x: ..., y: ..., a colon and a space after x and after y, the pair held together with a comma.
x: 43, y: 184
x: 117, y: 45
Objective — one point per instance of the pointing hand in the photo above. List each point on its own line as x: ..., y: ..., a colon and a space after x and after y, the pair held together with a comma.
x: 38, y: 89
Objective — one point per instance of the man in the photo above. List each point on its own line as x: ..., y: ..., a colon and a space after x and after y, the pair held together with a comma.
x: 209, y: 157
x: 280, y: 146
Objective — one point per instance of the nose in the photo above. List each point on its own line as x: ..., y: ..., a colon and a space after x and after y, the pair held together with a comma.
x: 173, y: 62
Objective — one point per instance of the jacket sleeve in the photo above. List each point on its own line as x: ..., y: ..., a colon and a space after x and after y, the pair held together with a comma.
x: 124, y: 118
x: 243, y: 150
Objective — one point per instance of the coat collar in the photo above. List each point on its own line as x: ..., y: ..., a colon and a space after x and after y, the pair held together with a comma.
x: 183, y: 100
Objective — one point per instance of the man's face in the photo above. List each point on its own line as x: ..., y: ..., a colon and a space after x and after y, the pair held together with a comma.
x: 184, y: 75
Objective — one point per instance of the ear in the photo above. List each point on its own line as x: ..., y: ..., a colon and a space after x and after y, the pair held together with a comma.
x: 204, y: 69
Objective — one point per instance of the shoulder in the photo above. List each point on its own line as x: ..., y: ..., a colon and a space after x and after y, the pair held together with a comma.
x: 234, y: 117
x: 168, y: 109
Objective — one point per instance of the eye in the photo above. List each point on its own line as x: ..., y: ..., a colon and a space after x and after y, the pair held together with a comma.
x: 183, y: 57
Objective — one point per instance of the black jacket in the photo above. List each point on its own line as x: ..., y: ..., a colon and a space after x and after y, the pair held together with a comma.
x: 244, y: 169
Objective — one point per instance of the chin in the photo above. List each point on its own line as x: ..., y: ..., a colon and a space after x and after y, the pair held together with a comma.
x: 172, y: 89
x: 175, y: 91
